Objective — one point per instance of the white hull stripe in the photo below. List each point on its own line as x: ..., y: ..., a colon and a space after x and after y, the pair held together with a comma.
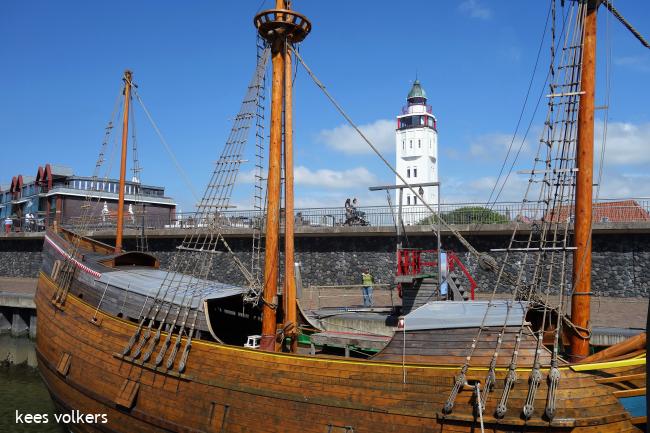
x: 77, y: 263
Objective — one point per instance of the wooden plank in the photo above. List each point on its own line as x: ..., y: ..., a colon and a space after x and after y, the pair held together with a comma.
x: 625, y: 378
x: 64, y: 364
x: 629, y: 392
x: 128, y: 393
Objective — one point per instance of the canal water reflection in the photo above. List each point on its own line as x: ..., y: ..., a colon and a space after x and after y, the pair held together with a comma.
x: 21, y: 388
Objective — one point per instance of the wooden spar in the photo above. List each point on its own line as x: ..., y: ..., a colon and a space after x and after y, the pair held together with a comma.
x: 580, y: 301
x: 125, y: 134
x: 289, y: 293
x: 271, y: 264
x: 630, y: 345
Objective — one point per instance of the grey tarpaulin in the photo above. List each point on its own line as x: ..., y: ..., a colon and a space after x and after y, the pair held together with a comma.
x: 465, y: 314
x: 146, y: 282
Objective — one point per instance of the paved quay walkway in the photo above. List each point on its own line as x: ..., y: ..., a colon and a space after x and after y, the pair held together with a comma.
x: 17, y: 292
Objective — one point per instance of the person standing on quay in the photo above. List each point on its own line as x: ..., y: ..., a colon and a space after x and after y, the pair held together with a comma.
x: 367, y: 280
x: 8, y: 223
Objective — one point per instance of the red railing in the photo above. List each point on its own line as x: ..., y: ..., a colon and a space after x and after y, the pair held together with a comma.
x: 410, y: 262
x: 452, y: 261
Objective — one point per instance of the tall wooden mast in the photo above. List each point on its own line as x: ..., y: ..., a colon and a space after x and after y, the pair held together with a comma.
x: 125, y: 134
x: 281, y: 28
x: 580, y: 301
x: 289, y: 292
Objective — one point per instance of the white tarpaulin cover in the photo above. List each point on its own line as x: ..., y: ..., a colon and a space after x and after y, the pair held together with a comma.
x: 465, y: 314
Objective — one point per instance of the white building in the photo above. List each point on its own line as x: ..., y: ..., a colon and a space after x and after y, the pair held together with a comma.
x: 416, y: 141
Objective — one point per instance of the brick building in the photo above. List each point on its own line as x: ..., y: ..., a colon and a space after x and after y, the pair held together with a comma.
x: 55, y: 193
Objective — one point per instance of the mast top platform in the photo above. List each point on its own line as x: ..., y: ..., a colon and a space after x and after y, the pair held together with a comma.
x: 275, y: 23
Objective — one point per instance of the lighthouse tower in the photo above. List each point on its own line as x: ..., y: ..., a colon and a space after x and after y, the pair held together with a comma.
x: 416, y: 141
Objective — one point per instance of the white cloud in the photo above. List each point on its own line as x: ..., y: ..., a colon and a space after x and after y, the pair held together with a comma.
x: 638, y: 63
x: 247, y: 176
x: 344, y: 138
x: 616, y: 185
x: 323, y: 177
x: 627, y: 143
x: 333, y: 179
x: 475, y: 9
x: 477, y: 190
x: 494, y: 146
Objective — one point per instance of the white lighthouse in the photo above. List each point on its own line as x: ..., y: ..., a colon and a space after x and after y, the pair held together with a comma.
x: 416, y: 141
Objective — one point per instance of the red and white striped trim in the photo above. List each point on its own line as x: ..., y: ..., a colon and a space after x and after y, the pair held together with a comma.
x: 77, y: 263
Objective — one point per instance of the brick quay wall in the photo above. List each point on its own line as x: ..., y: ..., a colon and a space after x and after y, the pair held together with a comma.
x: 337, y: 255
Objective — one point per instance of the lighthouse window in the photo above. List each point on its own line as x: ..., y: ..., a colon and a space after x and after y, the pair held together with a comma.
x: 403, y: 144
x: 419, y: 144
x: 408, y: 199
x: 408, y: 172
x: 415, y: 200
x: 415, y: 172
x: 411, y: 144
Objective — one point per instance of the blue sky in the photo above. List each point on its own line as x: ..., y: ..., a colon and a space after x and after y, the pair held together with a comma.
x: 192, y: 61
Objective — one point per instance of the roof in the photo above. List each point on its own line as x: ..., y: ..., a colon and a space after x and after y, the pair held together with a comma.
x: 609, y: 211
x: 465, y: 314
x: 61, y: 170
x: 417, y: 91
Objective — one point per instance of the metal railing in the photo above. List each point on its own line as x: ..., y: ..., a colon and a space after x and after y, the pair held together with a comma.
x: 611, y: 211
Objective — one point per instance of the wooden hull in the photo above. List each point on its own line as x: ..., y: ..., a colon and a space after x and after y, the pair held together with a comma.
x: 233, y: 389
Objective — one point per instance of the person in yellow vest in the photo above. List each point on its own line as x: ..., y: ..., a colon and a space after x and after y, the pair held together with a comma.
x: 367, y: 281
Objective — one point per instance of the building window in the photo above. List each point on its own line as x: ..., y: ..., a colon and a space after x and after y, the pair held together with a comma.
x: 403, y: 144
x: 408, y: 172
x: 408, y: 199
x: 415, y: 172
x: 415, y: 200
x: 419, y: 144
x: 411, y: 144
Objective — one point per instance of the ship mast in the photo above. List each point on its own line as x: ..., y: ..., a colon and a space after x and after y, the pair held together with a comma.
x: 128, y: 75
x: 281, y: 28
x: 289, y: 290
x: 580, y: 301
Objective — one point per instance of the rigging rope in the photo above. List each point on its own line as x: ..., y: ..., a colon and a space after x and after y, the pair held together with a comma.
x: 168, y: 148
x: 610, y: 7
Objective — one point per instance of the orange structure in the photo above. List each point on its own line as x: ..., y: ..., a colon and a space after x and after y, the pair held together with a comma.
x: 584, y: 188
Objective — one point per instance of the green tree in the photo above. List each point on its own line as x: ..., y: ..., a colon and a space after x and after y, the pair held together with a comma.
x: 469, y: 215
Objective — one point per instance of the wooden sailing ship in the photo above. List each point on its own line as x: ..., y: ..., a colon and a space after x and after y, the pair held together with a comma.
x: 164, y: 350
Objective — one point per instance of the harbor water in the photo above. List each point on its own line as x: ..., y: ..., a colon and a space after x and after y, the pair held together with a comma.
x: 21, y: 389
